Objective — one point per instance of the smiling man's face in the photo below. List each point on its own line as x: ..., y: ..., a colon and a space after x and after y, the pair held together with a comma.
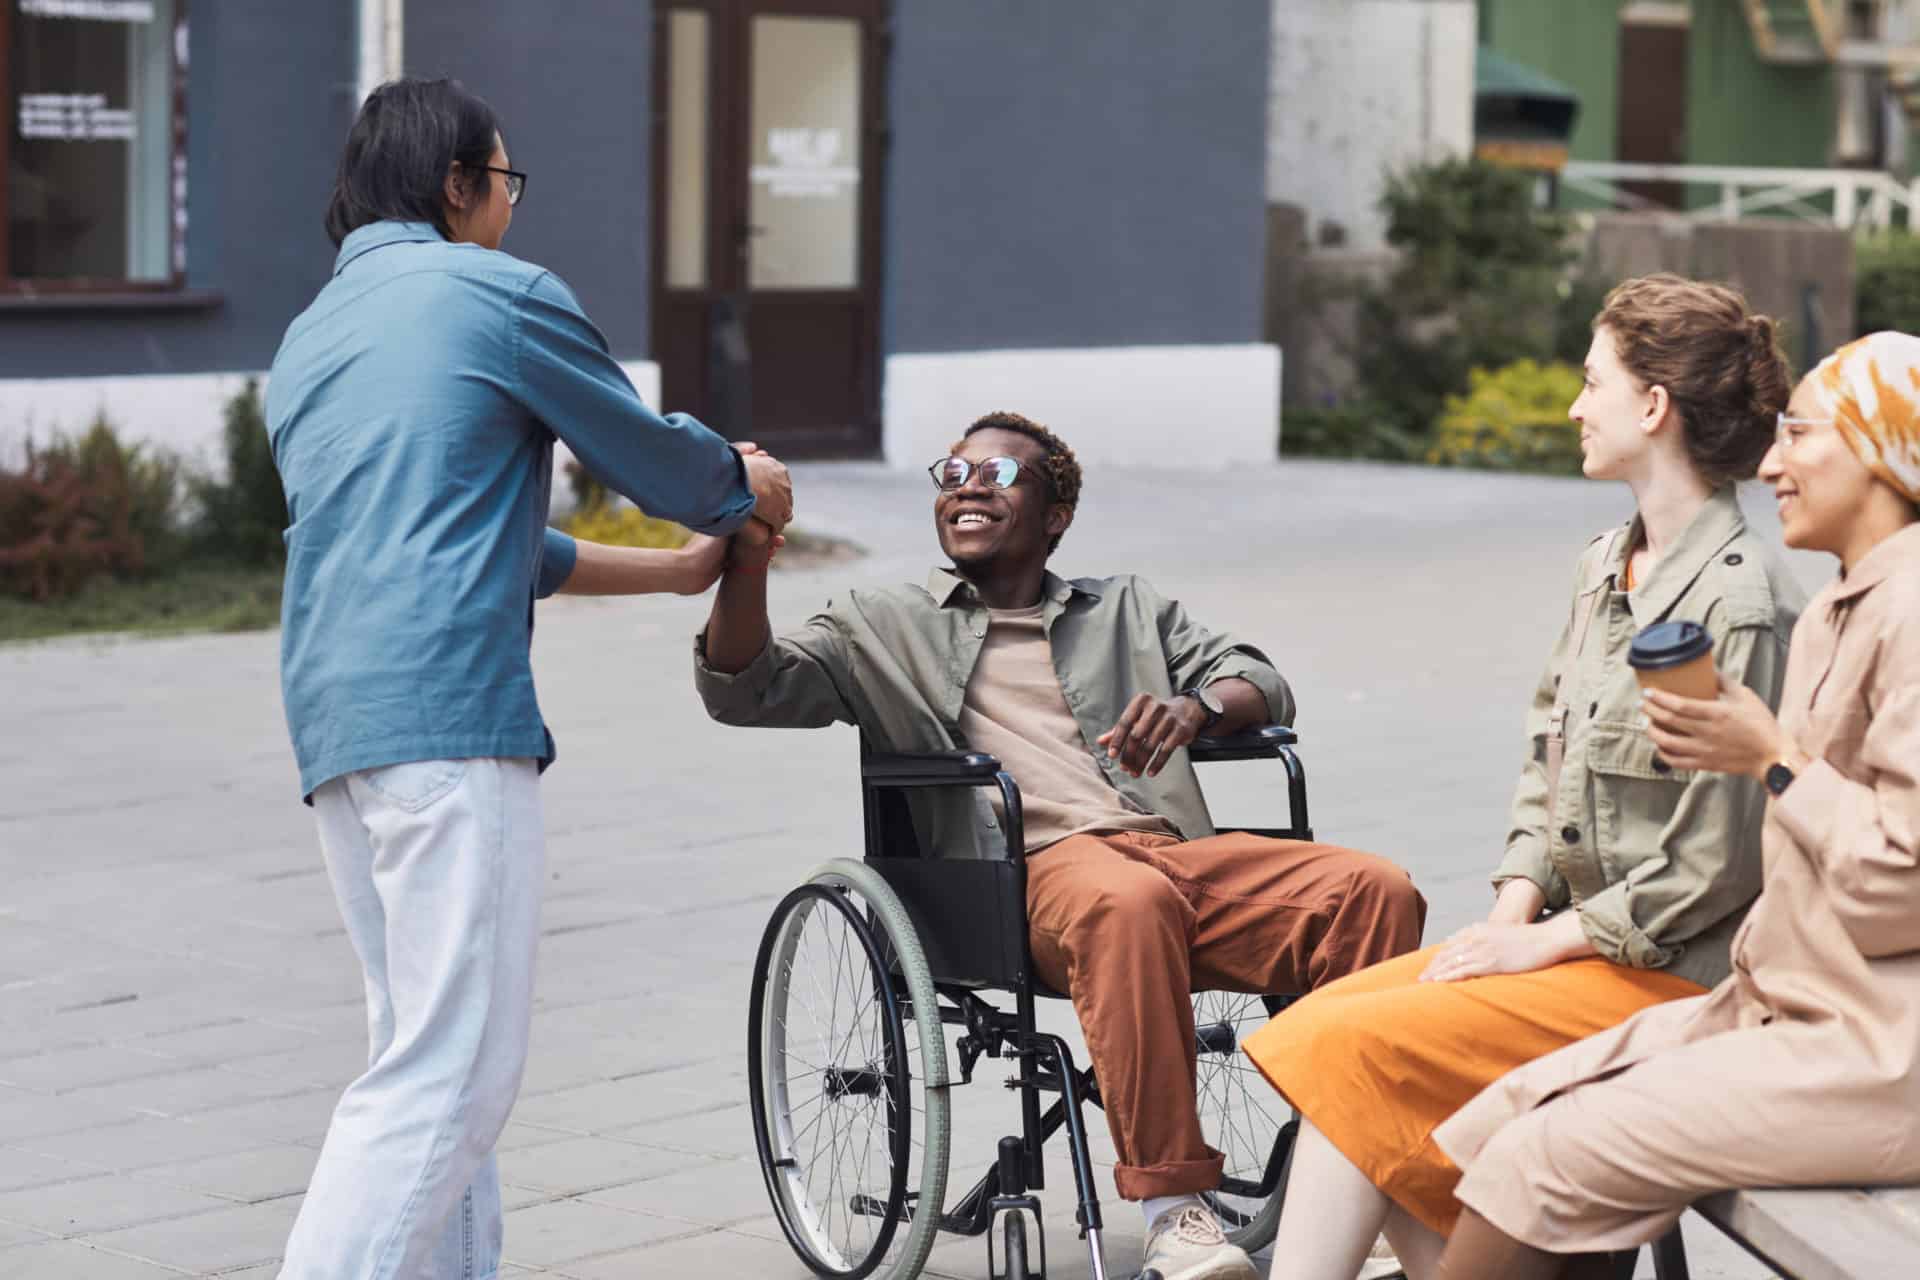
x: 980, y: 526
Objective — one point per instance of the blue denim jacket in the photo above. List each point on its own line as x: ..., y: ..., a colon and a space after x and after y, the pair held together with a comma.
x: 412, y: 410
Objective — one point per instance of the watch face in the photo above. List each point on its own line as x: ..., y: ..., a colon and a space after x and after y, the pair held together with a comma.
x: 1210, y: 702
x: 1778, y: 777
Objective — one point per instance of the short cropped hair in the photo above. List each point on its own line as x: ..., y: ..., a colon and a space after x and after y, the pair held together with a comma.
x: 395, y: 163
x: 1060, y: 468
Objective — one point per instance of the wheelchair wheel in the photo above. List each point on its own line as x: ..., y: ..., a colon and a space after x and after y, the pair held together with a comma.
x: 848, y: 1070
x: 1242, y: 1117
x: 1016, y: 1237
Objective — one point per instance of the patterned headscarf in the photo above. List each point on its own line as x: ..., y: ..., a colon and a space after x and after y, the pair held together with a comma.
x: 1874, y: 386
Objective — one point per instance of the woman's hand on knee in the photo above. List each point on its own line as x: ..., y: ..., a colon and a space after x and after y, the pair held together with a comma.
x: 1480, y: 950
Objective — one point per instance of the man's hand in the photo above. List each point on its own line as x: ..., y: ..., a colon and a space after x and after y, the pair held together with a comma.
x: 1150, y: 730
x: 772, y: 486
x: 702, y: 559
x: 1482, y: 949
x: 1734, y: 733
x: 752, y: 547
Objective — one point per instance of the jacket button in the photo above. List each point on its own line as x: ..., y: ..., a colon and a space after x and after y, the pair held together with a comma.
x: 1661, y: 766
x: 991, y: 824
x: 1570, y: 834
x: 1735, y: 558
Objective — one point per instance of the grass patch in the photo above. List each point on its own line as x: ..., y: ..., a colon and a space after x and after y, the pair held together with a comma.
x: 201, y: 598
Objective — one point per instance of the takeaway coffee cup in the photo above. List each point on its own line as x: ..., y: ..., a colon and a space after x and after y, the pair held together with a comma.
x: 1676, y: 657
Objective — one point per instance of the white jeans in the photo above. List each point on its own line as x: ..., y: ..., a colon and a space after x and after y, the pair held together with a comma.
x: 438, y: 867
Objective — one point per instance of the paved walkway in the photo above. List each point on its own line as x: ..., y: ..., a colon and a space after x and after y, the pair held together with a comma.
x: 179, y: 1006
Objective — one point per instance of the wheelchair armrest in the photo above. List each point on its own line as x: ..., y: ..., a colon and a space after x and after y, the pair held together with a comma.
x: 930, y: 769
x: 1263, y: 743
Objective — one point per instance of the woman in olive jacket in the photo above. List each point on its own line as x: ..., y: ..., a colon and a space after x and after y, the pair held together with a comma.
x: 1646, y: 869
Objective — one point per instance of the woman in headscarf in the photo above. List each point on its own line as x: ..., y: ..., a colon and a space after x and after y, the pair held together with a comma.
x: 1803, y: 1067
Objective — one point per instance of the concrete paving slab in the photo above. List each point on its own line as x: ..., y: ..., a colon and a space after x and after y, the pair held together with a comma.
x: 568, y: 1231
x: 581, y: 1165
x: 92, y: 1205
x: 208, y: 1243
x: 76, y: 1260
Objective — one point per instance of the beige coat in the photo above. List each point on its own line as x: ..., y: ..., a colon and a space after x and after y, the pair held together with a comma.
x: 1660, y: 863
x: 1803, y: 1067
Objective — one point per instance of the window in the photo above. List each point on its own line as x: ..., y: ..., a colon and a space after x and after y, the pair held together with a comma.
x: 93, y: 168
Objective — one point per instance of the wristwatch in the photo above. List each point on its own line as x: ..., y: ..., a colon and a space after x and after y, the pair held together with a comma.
x: 1779, y: 777
x: 1208, y: 703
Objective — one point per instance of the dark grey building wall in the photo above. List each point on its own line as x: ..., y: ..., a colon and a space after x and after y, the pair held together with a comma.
x: 574, y: 88
x: 1076, y: 173
x: 269, y: 99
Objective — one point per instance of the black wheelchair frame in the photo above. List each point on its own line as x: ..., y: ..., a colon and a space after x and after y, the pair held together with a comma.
x: 971, y: 917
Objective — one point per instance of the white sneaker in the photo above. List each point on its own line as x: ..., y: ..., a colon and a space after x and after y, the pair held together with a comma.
x: 1186, y: 1243
x: 1381, y: 1264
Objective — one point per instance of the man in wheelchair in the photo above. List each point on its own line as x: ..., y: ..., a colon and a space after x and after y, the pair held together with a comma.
x: 1086, y: 691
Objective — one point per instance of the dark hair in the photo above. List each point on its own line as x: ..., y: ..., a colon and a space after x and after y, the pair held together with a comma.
x: 1720, y: 363
x: 395, y: 164
x: 1060, y: 468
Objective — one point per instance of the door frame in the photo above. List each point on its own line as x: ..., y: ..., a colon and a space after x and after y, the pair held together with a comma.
x: 729, y: 157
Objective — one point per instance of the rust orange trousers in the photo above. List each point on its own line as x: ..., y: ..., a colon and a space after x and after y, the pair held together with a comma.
x: 1129, y: 925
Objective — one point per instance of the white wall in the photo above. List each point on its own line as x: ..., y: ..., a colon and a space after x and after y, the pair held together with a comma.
x: 1363, y: 88
x: 177, y: 412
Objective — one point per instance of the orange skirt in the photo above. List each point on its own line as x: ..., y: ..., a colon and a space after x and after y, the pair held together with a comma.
x: 1378, y: 1059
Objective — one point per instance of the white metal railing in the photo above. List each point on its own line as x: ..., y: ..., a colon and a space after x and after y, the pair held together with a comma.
x: 1860, y: 197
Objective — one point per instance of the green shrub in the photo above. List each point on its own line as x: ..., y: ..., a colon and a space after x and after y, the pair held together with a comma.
x: 86, y: 506
x: 1886, y: 282
x: 1580, y: 301
x: 243, y: 513
x: 1350, y: 430
x: 1478, y: 286
x: 1513, y: 419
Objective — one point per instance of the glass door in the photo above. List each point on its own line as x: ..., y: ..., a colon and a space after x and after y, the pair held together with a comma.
x: 767, y: 219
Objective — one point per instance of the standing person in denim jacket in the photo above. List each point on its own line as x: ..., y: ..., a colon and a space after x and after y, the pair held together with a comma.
x: 413, y: 409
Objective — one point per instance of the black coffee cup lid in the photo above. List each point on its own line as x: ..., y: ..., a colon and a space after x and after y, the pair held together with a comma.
x: 1668, y: 644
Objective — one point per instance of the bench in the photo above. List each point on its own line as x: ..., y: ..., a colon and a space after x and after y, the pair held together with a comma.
x: 1826, y: 1233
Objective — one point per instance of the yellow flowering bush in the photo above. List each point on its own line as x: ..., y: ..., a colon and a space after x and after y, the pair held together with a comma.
x: 1512, y: 419
x: 624, y: 526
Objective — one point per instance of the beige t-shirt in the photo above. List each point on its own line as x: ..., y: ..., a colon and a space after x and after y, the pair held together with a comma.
x: 1014, y: 710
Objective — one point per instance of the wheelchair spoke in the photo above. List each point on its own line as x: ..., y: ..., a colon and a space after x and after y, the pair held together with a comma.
x: 1239, y: 1114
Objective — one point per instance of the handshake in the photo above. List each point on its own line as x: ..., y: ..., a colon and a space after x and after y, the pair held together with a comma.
x: 752, y: 547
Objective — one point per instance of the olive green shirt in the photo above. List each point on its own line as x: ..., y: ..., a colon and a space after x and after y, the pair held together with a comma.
x: 1660, y: 863
x: 896, y: 662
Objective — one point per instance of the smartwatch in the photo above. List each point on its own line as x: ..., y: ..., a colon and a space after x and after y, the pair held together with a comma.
x: 1779, y: 777
x: 1214, y: 708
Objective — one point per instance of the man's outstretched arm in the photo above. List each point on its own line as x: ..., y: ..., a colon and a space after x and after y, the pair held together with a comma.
x: 745, y: 675
x: 601, y: 570
x: 737, y: 627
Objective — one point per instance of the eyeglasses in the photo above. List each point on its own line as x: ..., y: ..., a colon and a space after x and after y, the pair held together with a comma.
x: 995, y: 473
x: 516, y: 182
x: 1784, y: 423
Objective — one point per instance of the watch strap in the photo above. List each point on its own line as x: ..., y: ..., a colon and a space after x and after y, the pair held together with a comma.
x: 1213, y: 714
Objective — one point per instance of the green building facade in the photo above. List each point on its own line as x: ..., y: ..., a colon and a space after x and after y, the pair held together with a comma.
x: 1731, y: 106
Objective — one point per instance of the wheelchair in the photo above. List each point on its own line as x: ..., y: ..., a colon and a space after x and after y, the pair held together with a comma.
x: 863, y: 967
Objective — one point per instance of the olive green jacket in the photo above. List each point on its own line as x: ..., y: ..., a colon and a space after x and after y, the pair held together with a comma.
x: 896, y: 662
x: 1660, y: 863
